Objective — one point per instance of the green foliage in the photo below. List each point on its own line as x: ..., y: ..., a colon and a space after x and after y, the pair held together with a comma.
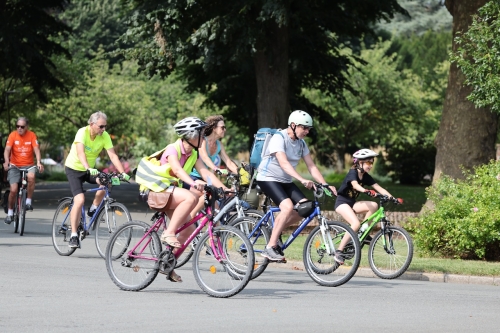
x: 465, y: 221
x: 478, y: 56
x: 28, y: 31
x: 214, y: 44
x: 424, y: 15
x: 52, y: 176
x: 390, y: 108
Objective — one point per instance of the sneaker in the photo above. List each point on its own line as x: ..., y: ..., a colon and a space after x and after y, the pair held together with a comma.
x: 9, y: 219
x: 74, y: 242
x: 272, y: 254
x: 279, y: 249
x: 339, y: 257
x: 29, y: 207
x: 91, y: 213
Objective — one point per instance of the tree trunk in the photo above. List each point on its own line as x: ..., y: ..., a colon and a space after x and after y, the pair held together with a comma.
x: 467, y: 134
x: 271, y: 70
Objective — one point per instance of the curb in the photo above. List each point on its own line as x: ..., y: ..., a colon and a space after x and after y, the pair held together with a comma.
x: 415, y: 276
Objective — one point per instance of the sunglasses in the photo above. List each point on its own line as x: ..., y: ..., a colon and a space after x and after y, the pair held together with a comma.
x: 19, y: 126
x: 368, y: 162
x: 223, y: 127
x: 306, y: 128
x: 101, y: 126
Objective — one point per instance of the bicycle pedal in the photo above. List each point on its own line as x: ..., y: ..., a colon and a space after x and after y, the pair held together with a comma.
x: 281, y: 261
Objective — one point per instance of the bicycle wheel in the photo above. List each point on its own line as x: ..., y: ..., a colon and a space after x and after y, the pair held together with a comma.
x: 132, y: 256
x: 22, y: 213
x: 259, y: 241
x: 188, y: 252
x: 390, y: 252
x: 253, y: 213
x: 61, y: 228
x: 16, y: 214
x: 320, y: 265
x: 229, y: 275
x: 105, y: 225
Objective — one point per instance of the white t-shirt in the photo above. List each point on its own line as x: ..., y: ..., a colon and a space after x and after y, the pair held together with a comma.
x: 269, y: 167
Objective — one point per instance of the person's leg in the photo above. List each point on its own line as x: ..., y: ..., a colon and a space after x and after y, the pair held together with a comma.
x: 12, y: 195
x: 76, y: 211
x: 285, y: 218
x: 183, y: 202
x: 31, y: 189
x: 75, y: 180
x: 368, y: 207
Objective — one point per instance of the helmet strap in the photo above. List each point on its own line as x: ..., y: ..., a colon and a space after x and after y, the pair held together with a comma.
x: 360, y: 167
x: 293, y: 130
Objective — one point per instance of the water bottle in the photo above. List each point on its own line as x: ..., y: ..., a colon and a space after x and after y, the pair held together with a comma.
x: 361, y: 230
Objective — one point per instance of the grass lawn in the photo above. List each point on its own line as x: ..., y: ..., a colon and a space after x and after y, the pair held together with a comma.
x: 419, y: 264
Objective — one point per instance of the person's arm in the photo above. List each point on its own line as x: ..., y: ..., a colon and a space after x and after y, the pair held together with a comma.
x: 205, y: 173
x: 115, y: 160
x: 6, y: 156
x: 80, y: 151
x: 202, y: 151
x: 381, y: 190
x: 39, y: 164
x: 177, y: 169
x: 288, y: 168
x: 315, y: 173
x: 227, y: 161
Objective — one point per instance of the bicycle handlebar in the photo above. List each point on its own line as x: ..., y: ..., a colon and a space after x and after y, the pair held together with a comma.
x: 11, y: 166
x: 386, y: 198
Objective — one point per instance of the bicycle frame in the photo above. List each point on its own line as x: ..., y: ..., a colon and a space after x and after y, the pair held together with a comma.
x: 269, y: 216
x: 204, y: 215
x: 86, y: 227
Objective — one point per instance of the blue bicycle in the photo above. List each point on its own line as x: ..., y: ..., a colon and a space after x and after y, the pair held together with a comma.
x: 319, y: 248
x: 108, y: 217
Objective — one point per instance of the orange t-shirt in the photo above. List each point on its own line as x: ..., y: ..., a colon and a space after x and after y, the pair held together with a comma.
x: 21, y: 153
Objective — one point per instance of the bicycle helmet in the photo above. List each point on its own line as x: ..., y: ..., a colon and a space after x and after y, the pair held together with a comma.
x: 187, y: 127
x: 363, y: 154
x: 299, y: 117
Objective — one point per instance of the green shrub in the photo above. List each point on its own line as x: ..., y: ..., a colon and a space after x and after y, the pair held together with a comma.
x: 335, y: 178
x: 465, y: 221
x: 52, y: 177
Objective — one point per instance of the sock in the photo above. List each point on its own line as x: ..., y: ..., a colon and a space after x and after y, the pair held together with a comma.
x: 10, y: 212
x: 28, y: 201
x: 92, y: 208
x: 74, y: 234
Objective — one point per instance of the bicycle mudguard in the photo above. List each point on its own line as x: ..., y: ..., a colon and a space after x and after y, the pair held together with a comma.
x: 65, y: 199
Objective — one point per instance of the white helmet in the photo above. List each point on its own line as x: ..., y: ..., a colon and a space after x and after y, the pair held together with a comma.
x: 299, y: 117
x: 187, y: 127
x: 363, y: 154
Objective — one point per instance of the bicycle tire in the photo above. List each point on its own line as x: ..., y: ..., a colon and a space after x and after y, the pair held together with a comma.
x: 392, y: 262
x: 254, y: 213
x: 227, y: 277
x: 133, y: 274
x: 259, y: 242
x: 118, y: 215
x: 321, y: 266
x: 61, y: 228
x: 16, y: 214
x: 22, y: 215
x: 188, y: 253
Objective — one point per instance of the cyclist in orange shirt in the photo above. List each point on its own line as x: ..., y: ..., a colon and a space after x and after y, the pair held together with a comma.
x: 19, y: 150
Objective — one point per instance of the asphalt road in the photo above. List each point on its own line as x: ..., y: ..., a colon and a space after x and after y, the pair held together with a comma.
x: 41, y: 291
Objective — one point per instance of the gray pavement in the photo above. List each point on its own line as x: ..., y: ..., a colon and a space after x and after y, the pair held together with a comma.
x: 41, y: 291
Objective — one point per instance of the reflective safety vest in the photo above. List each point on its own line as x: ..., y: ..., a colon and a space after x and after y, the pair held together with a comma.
x: 157, y: 178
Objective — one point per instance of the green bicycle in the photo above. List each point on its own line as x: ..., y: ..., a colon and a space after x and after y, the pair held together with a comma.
x: 391, y: 248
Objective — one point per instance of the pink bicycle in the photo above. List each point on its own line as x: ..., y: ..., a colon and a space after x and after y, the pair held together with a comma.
x: 223, y: 259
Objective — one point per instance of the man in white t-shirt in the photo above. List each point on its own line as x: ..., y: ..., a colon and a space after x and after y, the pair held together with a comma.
x: 276, y: 171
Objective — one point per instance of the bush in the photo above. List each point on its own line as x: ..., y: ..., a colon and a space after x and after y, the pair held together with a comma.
x: 52, y: 177
x: 465, y: 221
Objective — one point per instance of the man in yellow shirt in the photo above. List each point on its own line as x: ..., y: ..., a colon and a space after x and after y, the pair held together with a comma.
x: 80, y: 167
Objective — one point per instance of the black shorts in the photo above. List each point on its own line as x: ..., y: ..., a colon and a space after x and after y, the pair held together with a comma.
x: 344, y: 200
x: 281, y: 191
x: 77, y: 178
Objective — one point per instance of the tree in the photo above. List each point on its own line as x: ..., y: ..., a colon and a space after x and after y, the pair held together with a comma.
x: 257, y: 55
x: 467, y: 134
x: 389, y: 109
x: 29, y: 32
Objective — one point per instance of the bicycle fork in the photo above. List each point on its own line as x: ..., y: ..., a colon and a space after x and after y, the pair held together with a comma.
x: 327, y: 238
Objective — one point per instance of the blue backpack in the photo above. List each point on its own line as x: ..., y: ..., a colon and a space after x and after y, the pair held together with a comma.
x: 262, y: 138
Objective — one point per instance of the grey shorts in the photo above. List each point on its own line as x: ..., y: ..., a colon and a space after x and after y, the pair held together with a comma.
x: 14, y: 175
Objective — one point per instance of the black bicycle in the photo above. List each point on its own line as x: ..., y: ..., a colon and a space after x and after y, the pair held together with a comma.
x: 20, y: 202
